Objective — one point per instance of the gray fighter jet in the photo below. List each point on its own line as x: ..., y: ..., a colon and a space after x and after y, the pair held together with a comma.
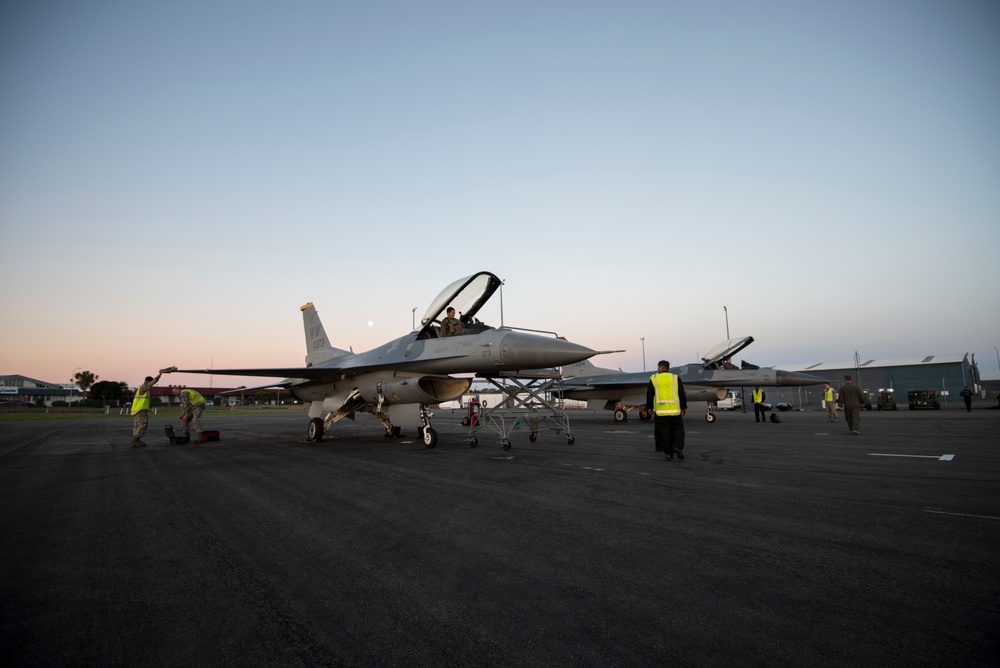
x: 703, y: 381
x: 397, y: 382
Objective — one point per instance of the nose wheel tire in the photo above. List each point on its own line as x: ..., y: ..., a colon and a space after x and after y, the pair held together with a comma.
x: 315, y: 430
x: 709, y: 418
x: 430, y: 437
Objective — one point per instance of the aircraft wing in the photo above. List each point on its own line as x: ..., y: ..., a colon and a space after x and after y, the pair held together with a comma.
x: 351, y: 367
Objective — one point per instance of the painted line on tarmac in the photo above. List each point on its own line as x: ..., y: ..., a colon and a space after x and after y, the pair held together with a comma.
x: 941, y: 458
x: 981, y: 517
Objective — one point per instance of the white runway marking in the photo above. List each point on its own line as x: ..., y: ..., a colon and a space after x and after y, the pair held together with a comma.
x: 943, y: 458
x: 981, y: 517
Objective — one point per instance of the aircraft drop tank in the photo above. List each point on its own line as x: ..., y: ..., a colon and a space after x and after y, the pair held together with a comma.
x: 795, y: 379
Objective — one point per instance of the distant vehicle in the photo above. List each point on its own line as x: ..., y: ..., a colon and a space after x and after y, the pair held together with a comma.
x: 783, y: 406
x: 209, y: 403
x: 731, y: 402
x: 886, y: 402
x: 12, y: 403
x: 923, y: 399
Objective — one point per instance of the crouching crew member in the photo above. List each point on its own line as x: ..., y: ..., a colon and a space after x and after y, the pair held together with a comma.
x: 192, y: 405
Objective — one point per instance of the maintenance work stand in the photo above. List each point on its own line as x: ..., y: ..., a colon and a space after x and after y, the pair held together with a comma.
x: 525, y: 400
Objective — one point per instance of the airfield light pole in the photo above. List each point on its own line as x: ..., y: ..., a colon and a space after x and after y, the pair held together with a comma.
x: 413, y: 318
x: 998, y: 356
x: 727, y: 322
x: 857, y: 369
x: 643, y: 339
x: 73, y: 380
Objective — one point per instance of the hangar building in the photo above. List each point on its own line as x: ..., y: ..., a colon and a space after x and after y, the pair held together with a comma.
x: 949, y: 373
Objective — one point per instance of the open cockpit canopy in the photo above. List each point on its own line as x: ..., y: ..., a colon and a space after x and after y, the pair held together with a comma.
x: 467, y: 295
x: 718, y: 357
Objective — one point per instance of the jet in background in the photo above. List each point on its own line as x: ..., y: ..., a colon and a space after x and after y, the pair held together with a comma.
x: 704, y: 381
x: 396, y: 382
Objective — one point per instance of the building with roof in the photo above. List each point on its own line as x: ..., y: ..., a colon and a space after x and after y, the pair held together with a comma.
x: 16, y: 387
x: 948, y: 374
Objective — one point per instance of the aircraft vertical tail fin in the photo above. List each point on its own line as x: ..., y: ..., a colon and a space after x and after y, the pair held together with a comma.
x: 318, y: 348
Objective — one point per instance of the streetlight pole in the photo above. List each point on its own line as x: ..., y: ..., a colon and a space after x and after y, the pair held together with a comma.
x: 73, y: 380
x: 643, y: 339
x: 413, y: 318
x: 998, y: 356
x: 727, y: 322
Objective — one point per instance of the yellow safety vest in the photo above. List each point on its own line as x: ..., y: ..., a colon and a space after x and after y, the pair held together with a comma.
x: 195, y: 398
x: 828, y: 395
x: 140, y: 402
x: 758, y: 396
x: 666, y: 398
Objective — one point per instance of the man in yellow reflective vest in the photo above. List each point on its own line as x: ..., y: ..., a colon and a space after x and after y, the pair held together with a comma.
x: 830, y: 397
x: 140, y: 409
x: 192, y: 405
x: 665, y: 397
x: 759, y: 412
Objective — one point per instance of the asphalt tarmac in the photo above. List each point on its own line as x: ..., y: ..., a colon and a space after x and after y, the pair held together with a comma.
x: 786, y: 544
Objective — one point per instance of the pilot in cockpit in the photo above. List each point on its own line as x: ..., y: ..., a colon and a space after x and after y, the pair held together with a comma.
x: 450, y: 325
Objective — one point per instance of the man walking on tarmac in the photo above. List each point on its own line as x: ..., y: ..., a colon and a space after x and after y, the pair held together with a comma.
x: 852, y: 399
x: 192, y: 405
x: 140, y: 409
x: 665, y: 397
x: 830, y: 397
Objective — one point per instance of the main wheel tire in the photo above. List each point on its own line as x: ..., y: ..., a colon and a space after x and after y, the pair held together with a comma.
x: 315, y: 430
x: 621, y: 415
x: 532, y: 437
x: 430, y: 437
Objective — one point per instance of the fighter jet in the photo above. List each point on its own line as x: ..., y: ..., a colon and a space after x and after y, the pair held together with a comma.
x: 396, y: 382
x: 703, y: 381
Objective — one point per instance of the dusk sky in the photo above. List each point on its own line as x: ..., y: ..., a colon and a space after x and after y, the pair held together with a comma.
x: 177, y: 179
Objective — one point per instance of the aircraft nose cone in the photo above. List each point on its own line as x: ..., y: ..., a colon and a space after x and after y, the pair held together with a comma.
x: 531, y: 351
x: 795, y: 379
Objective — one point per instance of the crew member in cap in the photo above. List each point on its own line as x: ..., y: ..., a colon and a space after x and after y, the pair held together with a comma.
x: 140, y: 409
x: 665, y: 397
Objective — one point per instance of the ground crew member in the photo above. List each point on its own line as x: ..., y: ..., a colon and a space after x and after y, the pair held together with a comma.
x: 966, y: 395
x: 140, y: 409
x: 830, y: 397
x: 759, y: 412
x: 192, y: 405
x: 665, y: 397
x: 851, y: 398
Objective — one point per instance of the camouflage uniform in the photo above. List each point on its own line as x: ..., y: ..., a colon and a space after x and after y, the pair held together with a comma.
x: 450, y: 326
x: 193, y: 411
x: 831, y: 403
x: 140, y: 420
